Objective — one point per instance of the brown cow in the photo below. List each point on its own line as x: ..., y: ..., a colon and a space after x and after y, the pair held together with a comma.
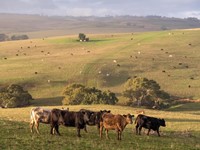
x: 115, y: 122
x: 56, y: 120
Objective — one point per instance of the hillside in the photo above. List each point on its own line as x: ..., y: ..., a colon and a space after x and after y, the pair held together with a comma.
x: 46, y: 66
x: 36, y: 26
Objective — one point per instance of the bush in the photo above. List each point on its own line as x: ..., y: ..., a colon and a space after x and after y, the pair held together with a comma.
x: 144, y: 92
x: 14, y: 96
x: 76, y: 94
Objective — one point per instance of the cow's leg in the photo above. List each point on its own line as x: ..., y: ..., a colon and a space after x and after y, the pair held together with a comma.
x: 158, y: 132
x: 31, y: 125
x: 148, y: 131
x: 52, y: 129
x: 57, y: 129
x: 100, y: 130
x: 37, y: 127
x: 120, y: 135
x: 78, y: 132
x: 136, y: 129
x: 107, y: 134
x: 140, y: 128
x: 85, y: 129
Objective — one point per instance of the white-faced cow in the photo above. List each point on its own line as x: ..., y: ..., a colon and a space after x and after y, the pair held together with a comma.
x: 115, y: 122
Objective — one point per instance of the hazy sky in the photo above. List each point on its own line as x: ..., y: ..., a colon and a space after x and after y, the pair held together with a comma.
x: 169, y: 8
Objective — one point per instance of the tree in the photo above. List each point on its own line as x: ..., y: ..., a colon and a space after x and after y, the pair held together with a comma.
x: 3, y: 37
x: 76, y: 94
x: 82, y: 36
x: 144, y: 92
x: 14, y: 96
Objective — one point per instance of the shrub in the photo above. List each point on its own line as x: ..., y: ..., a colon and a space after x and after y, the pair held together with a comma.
x: 144, y: 92
x: 14, y: 96
x: 76, y: 94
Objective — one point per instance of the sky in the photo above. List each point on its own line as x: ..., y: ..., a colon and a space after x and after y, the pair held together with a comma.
x: 167, y: 8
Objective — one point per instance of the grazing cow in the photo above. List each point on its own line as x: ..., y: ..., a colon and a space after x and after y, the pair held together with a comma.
x: 115, y: 122
x: 94, y: 117
x: 56, y: 120
x: 72, y: 119
x: 148, y: 123
x: 38, y: 115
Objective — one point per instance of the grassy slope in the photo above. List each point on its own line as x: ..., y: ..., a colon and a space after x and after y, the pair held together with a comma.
x: 69, y: 61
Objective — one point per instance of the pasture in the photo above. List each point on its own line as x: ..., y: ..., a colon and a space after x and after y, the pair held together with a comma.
x: 45, y: 66
x: 182, y: 131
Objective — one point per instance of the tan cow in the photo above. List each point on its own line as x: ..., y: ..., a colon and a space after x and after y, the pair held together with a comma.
x: 115, y: 122
x: 38, y: 115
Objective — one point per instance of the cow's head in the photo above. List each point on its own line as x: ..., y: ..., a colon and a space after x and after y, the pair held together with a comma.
x: 129, y: 118
x: 86, y: 116
x: 162, y: 122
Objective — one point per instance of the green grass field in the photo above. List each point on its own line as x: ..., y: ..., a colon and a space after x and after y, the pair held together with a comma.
x: 182, y: 131
x: 45, y: 66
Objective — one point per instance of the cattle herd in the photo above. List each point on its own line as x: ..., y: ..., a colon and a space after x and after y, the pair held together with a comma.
x: 103, y: 119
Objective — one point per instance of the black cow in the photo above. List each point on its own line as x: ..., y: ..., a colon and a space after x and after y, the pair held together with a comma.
x: 94, y: 117
x: 148, y: 123
x: 76, y: 119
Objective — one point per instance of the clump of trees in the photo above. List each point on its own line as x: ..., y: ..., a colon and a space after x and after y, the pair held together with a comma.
x: 76, y: 94
x: 4, y: 37
x: 14, y: 96
x: 19, y: 37
x: 144, y: 92
x: 82, y: 37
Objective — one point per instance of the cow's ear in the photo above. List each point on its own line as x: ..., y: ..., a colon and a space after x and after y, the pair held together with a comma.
x: 108, y: 111
x: 125, y: 115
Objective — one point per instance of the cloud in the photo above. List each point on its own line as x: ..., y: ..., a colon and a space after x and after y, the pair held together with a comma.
x: 180, y: 8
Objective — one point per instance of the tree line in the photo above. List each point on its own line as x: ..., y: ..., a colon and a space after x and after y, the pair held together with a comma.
x: 138, y: 91
x: 4, y: 37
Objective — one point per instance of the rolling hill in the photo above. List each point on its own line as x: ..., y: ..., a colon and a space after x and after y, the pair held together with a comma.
x: 36, y: 26
x: 45, y: 66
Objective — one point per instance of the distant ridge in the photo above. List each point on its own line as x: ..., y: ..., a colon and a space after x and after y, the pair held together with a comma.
x: 38, y: 26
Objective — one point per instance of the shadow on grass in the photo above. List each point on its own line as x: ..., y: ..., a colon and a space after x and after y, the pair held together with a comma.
x: 182, y: 120
x: 185, y: 107
x: 52, y: 101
